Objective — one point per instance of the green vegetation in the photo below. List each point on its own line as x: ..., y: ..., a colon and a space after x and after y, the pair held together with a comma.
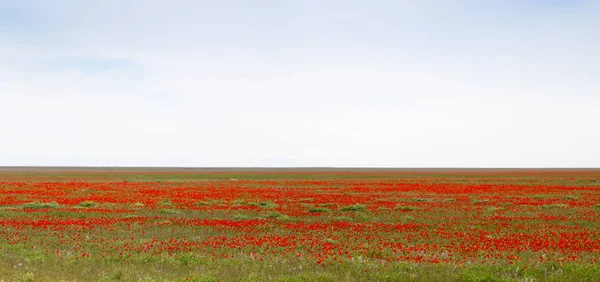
x: 87, y: 204
x: 355, y: 207
x: 274, y: 215
x: 38, y: 205
x: 405, y: 208
x: 316, y: 210
x: 189, y: 267
x: 564, y: 178
x: 265, y: 205
x: 214, y: 233
x: 495, y: 209
x: 554, y: 206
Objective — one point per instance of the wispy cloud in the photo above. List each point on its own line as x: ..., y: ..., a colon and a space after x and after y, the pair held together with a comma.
x: 93, y: 64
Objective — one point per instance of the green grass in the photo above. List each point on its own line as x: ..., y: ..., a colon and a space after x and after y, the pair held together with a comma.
x: 420, y: 200
x: 165, y: 203
x: 495, y: 209
x: 274, y: 215
x: 405, y: 208
x: 554, y: 206
x: 170, y: 211
x: 87, y: 204
x: 211, y: 203
x: 190, y: 267
x: 38, y: 205
x: 331, y: 241
x: 243, y: 216
x: 265, y: 205
x: 472, y: 177
x: 318, y: 210
x: 355, y: 207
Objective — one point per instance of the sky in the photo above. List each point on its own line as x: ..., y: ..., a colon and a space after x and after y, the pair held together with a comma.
x: 294, y: 83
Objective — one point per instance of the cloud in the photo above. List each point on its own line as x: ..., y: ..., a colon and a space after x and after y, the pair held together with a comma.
x: 301, y: 83
x: 92, y: 64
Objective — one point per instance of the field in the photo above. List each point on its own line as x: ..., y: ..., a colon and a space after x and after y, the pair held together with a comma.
x: 309, y: 225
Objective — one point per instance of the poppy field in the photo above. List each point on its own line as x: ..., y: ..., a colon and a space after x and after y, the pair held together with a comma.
x: 300, y: 225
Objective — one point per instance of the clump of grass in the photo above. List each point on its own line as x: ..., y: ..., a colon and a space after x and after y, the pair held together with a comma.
x: 449, y: 200
x: 364, y: 217
x: 165, y: 203
x: 274, y: 215
x: 238, y: 202
x: 331, y: 241
x: 553, y: 206
x: 327, y: 205
x: 479, y: 201
x: 210, y: 203
x: 38, y: 205
x: 597, y: 206
x: 408, y: 218
x: 343, y: 218
x: 189, y: 258
x: 87, y: 204
x: 164, y: 222
x: 569, y: 197
x: 494, y: 209
x: 264, y: 205
x: 405, y: 208
x: 268, y: 205
x: 420, y: 200
x: 242, y: 216
x: 170, y: 211
x: 29, y: 276
x: 318, y: 210
x: 138, y: 205
x: 355, y: 207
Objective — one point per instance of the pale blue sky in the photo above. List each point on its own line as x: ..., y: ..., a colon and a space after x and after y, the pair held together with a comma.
x: 498, y: 83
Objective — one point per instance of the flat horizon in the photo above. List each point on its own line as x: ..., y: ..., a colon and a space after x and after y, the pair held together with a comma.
x: 287, y: 168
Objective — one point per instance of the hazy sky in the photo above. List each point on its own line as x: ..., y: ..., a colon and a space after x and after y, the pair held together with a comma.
x: 479, y: 83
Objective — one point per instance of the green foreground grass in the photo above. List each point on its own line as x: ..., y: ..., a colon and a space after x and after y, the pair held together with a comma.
x: 20, y: 264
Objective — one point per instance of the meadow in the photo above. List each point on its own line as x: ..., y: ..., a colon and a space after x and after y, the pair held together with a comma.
x: 446, y: 225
